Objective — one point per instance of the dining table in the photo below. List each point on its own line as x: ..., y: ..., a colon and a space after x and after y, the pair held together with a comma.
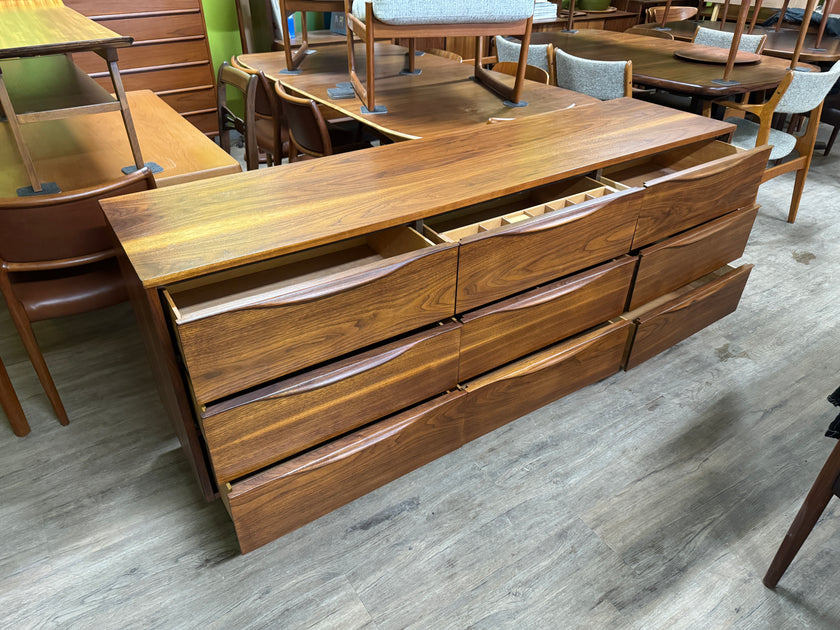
x: 657, y: 63
x: 442, y: 98
x: 780, y: 43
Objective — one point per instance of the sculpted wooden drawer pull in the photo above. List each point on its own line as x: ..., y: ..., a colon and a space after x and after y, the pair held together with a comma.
x: 701, y: 171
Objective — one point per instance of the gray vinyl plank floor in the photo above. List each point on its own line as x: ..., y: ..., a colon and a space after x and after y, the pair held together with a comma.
x: 653, y: 499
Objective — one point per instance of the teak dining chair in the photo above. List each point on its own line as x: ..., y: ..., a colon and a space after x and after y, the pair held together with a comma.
x: 798, y: 93
x: 57, y: 258
x: 261, y: 123
x: 310, y: 135
x: 539, y: 55
x: 283, y: 9
x: 369, y: 19
x: 602, y: 79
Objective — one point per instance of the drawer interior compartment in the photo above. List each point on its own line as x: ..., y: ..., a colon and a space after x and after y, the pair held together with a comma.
x: 525, y: 323
x: 691, y: 185
x: 681, y: 259
x: 239, y: 330
x: 254, y: 430
x: 499, y: 263
x: 668, y: 320
x: 454, y: 226
x: 525, y: 385
x: 282, y: 498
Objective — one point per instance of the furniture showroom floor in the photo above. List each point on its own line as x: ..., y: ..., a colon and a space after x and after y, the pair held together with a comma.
x: 653, y: 499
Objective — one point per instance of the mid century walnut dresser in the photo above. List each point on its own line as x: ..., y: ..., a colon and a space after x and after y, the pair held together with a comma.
x: 322, y: 328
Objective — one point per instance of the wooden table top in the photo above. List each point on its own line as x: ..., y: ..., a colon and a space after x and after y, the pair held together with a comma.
x: 654, y: 63
x: 43, y: 27
x: 201, y: 227
x: 82, y: 151
x: 779, y: 43
x: 442, y: 99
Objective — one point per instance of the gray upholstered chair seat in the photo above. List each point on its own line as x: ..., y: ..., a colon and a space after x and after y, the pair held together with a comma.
x: 602, y: 79
x: 416, y: 12
x: 746, y: 132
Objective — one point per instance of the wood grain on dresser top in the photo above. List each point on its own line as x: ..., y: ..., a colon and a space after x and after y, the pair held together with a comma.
x: 203, y: 227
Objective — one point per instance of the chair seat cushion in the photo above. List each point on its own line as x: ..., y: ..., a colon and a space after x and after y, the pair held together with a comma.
x: 747, y: 131
x: 416, y: 12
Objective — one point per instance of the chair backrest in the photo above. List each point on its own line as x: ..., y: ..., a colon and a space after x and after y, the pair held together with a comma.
x: 602, y: 79
x: 675, y: 14
x: 256, y: 33
x: 415, y: 12
x: 807, y: 90
x: 227, y: 119
x: 723, y: 39
x: 447, y: 54
x: 308, y: 131
x: 57, y: 231
x: 539, y: 55
x: 649, y: 32
x: 532, y: 73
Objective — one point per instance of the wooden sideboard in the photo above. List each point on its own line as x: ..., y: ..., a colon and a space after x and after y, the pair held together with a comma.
x: 315, y: 341
x: 170, y: 54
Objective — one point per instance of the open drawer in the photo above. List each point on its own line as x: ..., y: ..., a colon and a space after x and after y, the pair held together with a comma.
x: 690, y: 185
x: 533, y: 381
x: 673, y: 317
x: 259, y: 428
x: 681, y: 259
x: 505, y: 252
x: 280, y: 499
x: 242, y: 329
x: 506, y: 330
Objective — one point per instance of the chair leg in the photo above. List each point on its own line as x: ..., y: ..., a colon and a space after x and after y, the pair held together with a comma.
x: 27, y: 336
x: 798, y: 187
x: 11, y: 405
x: 813, y: 506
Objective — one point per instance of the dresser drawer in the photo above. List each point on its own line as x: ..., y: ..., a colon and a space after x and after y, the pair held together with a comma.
x: 282, y: 498
x: 686, y: 257
x: 514, y: 251
x: 678, y: 315
x: 691, y: 185
x: 521, y: 387
x: 242, y: 331
x: 517, y: 326
x: 275, y: 422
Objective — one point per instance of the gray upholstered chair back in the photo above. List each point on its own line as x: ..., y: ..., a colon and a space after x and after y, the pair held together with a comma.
x: 415, y: 12
x: 807, y: 90
x: 602, y: 79
x: 723, y: 39
x: 507, y: 50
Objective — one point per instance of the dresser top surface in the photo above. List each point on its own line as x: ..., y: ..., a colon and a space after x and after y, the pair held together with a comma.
x: 202, y: 227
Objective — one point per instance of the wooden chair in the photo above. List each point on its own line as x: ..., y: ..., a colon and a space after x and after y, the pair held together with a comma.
x: 602, y: 79
x: 649, y: 32
x: 310, y: 135
x: 532, y: 73
x: 539, y: 55
x: 285, y: 8
x: 369, y: 19
x: 11, y: 405
x: 675, y: 14
x: 261, y: 124
x: 723, y: 39
x: 826, y: 485
x: 798, y: 93
x: 57, y: 258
